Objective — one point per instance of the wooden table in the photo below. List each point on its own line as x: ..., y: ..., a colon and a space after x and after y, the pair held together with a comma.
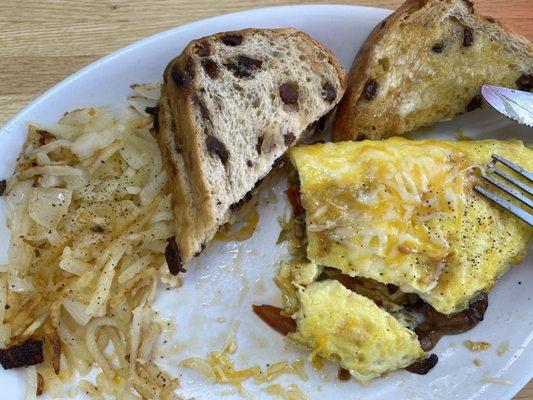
x: 44, y: 41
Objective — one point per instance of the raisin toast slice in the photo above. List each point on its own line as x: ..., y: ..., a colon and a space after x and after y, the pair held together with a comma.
x: 425, y: 63
x: 231, y: 104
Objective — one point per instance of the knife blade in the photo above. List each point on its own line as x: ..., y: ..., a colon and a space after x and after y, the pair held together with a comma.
x: 513, y: 103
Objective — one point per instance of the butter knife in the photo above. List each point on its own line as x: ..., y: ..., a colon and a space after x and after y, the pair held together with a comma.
x: 512, y: 103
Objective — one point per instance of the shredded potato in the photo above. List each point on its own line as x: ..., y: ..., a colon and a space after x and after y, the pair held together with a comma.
x: 89, y: 213
x: 30, y: 378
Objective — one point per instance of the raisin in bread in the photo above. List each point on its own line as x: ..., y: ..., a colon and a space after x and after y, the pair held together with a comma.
x: 425, y: 63
x: 231, y: 104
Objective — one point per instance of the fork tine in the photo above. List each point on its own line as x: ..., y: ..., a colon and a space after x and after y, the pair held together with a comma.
x: 512, y: 208
x: 516, y: 194
x: 512, y: 179
x: 513, y: 166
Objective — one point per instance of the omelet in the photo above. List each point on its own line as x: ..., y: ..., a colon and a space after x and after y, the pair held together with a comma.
x: 405, y: 213
x: 293, y: 275
x: 341, y: 325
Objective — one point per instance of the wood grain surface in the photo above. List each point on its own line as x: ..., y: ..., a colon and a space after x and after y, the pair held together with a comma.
x: 44, y: 41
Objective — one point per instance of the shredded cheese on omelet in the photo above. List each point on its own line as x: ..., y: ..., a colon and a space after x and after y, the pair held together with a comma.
x: 404, y: 212
x: 406, y: 191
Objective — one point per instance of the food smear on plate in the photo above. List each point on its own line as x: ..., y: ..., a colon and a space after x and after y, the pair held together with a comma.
x: 90, y: 214
x: 243, y: 226
x: 292, y: 392
x: 502, y: 348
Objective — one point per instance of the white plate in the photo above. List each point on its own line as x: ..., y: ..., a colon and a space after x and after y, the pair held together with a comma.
x: 229, y: 277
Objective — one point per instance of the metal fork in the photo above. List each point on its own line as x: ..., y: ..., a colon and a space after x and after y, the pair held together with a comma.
x: 524, y: 198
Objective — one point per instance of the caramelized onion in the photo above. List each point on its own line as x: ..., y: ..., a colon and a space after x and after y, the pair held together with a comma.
x: 56, y: 353
x: 273, y: 318
x: 40, y: 385
x: 422, y: 367
x: 293, y: 194
x: 347, y: 281
x: 343, y: 374
x: 438, y: 324
x: 26, y: 354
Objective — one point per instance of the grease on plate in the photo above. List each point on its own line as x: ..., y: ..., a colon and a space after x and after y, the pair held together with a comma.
x: 292, y: 392
x: 247, y: 219
x: 502, y: 348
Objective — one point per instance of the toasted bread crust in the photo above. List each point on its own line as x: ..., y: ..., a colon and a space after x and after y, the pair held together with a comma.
x: 346, y: 125
x: 184, y: 200
x: 180, y: 142
x: 343, y: 127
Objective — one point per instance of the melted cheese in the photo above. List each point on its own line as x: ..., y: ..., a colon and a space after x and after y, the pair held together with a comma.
x: 293, y: 275
x: 405, y: 212
x: 346, y: 327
